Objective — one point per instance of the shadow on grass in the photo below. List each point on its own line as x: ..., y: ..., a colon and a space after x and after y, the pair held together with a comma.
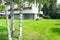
x: 3, y: 33
x: 56, y: 30
x: 58, y: 24
x: 3, y: 37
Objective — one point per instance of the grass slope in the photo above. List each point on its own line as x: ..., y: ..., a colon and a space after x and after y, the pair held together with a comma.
x: 45, y: 29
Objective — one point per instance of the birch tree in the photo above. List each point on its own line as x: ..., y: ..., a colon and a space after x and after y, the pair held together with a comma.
x: 7, y: 22
x: 20, y: 23
x: 12, y: 18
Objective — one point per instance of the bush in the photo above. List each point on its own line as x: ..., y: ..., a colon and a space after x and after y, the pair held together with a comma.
x: 39, y: 19
x: 47, y: 17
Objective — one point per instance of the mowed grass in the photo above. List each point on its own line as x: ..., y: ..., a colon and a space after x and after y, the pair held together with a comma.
x: 45, y: 29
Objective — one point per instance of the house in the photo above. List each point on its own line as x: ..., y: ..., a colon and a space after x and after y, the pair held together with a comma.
x: 30, y: 11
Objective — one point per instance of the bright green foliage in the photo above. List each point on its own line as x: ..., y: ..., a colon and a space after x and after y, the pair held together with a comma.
x: 16, y: 1
x: 44, y: 29
x: 1, y: 7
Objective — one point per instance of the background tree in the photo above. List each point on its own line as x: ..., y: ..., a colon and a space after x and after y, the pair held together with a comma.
x: 52, y: 8
x: 45, y: 10
x: 46, y: 7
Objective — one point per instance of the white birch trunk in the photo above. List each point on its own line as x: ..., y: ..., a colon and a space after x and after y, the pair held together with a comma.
x: 12, y: 20
x: 20, y: 24
x: 20, y: 28
x: 12, y: 24
x: 7, y: 23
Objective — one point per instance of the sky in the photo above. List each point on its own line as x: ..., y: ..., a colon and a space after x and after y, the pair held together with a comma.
x: 58, y: 1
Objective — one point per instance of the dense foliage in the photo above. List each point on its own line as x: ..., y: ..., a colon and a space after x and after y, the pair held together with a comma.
x: 51, y: 10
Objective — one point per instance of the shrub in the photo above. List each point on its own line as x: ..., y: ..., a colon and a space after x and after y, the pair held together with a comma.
x: 47, y: 17
x: 37, y: 19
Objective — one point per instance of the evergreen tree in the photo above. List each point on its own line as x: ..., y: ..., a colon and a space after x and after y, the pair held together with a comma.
x: 45, y: 10
x: 52, y: 8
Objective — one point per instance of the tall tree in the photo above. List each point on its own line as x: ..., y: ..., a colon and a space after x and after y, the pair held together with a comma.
x: 20, y: 23
x: 52, y: 8
x: 12, y: 15
x: 12, y: 18
x: 7, y: 22
x: 45, y: 10
x: 46, y: 7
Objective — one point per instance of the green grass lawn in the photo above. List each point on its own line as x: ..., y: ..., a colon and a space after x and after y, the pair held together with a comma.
x: 45, y: 29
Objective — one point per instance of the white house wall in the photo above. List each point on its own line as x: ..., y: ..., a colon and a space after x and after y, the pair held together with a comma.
x: 34, y: 8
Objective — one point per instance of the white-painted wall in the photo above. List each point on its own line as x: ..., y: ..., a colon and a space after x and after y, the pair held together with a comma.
x: 34, y: 8
x: 58, y: 1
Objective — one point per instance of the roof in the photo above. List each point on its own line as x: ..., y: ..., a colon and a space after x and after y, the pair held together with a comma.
x: 24, y: 12
x: 17, y: 12
x: 27, y: 11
